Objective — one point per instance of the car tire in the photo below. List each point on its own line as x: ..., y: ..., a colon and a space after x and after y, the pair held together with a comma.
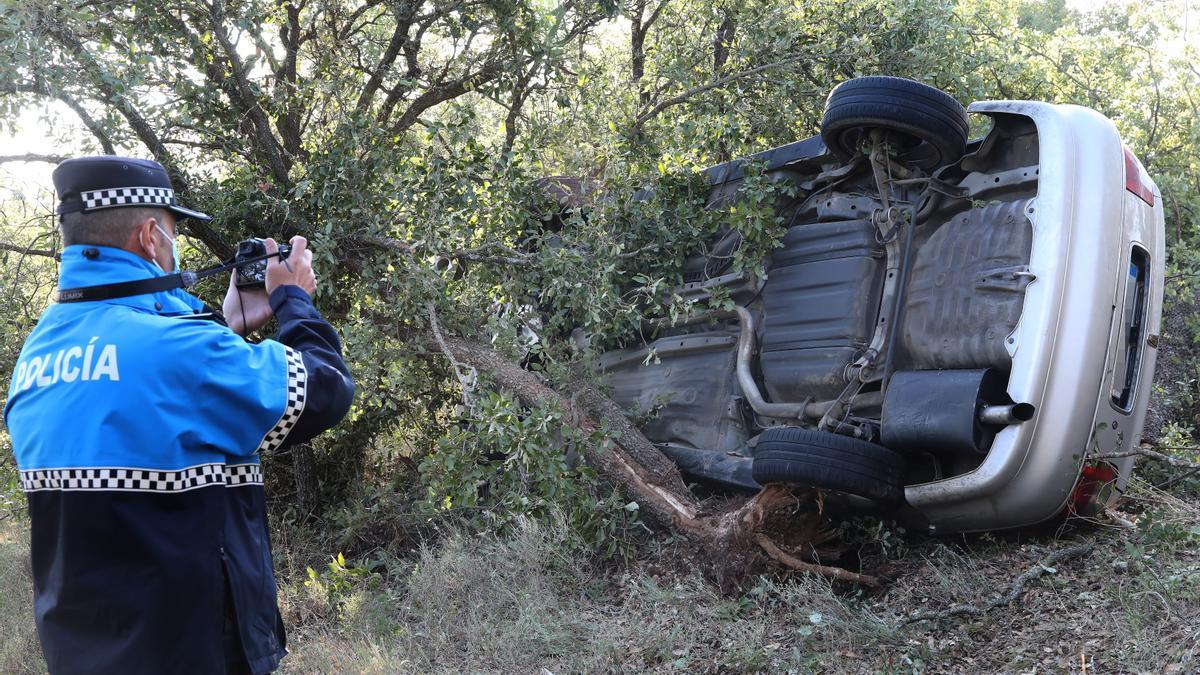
x: 924, y: 123
x: 830, y: 462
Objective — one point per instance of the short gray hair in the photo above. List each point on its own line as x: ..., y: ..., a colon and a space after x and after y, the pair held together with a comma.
x: 106, y: 227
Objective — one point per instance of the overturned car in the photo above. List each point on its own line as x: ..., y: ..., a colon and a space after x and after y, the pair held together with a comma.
x: 950, y: 329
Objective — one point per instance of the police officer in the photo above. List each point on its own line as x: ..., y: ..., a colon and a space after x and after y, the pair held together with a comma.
x: 137, y: 423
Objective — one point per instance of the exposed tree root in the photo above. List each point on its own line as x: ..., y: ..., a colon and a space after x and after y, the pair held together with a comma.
x: 785, y: 558
x: 729, y: 537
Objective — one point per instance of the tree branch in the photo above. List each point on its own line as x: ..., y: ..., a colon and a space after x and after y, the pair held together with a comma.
x: 795, y: 563
x: 663, y: 502
x: 92, y: 126
x: 412, y: 49
x: 288, y: 123
x: 699, y: 89
x: 445, y: 91
x: 637, y: 51
x: 362, y: 9
x: 1146, y: 452
x: 491, y: 252
x: 655, y: 14
x: 1045, y: 566
x: 395, y: 46
x: 103, y: 81
x: 269, y: 146
x: 32, y: 157
x: 466, y: 375
x: 24, y: 250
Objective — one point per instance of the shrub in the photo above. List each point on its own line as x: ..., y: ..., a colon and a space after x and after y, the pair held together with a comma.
x: 506, y: 462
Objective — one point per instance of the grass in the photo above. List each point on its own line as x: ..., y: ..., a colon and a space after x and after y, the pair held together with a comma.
x: 19, y: 651
x: 525, y: 603
x: 519, y: 604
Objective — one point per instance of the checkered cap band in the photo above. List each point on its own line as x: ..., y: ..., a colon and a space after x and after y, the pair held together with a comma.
x: 127, y: 479
x: 297, y: 391
x: 129, y: 196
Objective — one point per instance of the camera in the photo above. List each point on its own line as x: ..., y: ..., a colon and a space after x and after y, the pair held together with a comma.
x: 254, y: 274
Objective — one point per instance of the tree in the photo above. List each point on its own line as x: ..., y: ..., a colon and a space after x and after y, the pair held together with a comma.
x: 407, y: 139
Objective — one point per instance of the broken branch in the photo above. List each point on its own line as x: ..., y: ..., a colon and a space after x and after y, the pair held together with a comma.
x: 1044, y: 566
x: 1146, y: 452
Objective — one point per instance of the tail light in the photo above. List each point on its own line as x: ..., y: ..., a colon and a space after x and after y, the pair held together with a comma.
x: 1092, y: 490
x: 1137, y: 180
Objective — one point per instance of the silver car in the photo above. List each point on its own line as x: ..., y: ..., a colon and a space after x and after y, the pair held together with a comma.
x: 949, y: 329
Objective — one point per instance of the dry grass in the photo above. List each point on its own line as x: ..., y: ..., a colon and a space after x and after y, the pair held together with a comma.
x: 519, y: 605
x: 19, y: 650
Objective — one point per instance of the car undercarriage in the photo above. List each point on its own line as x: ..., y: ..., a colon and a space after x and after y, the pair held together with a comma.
x: 875, y: 352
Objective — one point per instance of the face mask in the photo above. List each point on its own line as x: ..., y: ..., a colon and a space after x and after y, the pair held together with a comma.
x: 174, y: 248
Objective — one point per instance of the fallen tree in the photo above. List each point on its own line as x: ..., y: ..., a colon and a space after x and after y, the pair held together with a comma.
x: 732, y: 536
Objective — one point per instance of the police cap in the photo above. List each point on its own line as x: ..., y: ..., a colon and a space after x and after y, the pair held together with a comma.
x: 87, y: 184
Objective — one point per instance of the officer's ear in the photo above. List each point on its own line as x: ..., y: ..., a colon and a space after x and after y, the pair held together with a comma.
x: 143, y: 235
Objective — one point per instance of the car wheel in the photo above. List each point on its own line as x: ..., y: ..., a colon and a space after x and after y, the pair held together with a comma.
x: 925, y: 123
x: 830, y: 462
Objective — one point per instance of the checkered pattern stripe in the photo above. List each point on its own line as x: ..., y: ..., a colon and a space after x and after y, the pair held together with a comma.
x: 123, y: 479
x: 243, y: 474
x: 297, y: 391
x: 129, y: 196
x: 126, y: 479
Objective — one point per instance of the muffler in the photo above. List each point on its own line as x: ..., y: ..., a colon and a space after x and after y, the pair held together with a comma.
x: 948, y: 411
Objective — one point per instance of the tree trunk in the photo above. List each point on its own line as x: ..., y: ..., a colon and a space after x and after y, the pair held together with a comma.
x: 731, y: 538
x: 637, y: 50
x: 721, y: 44
x: 308, y: 496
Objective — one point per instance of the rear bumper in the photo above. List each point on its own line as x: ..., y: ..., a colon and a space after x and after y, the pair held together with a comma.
x: 1060, y: 347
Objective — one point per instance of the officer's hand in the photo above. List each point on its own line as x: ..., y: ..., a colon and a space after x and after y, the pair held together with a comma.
x: 295, y: 270
x: 247, y: 309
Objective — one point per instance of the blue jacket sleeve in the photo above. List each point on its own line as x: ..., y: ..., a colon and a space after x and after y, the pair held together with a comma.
x: 328, y: 386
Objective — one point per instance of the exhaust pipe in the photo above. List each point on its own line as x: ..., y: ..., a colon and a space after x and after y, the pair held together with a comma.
x: 808, y: 410
x: 745, y: 351
x: 1004, y: 415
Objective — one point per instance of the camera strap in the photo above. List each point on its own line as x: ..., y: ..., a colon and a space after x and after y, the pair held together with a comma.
x: 125, y: 289
x: 167, y: 282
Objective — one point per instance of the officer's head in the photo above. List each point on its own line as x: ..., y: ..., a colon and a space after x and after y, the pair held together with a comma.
x: 121, y: 202
x: 146, y: 231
